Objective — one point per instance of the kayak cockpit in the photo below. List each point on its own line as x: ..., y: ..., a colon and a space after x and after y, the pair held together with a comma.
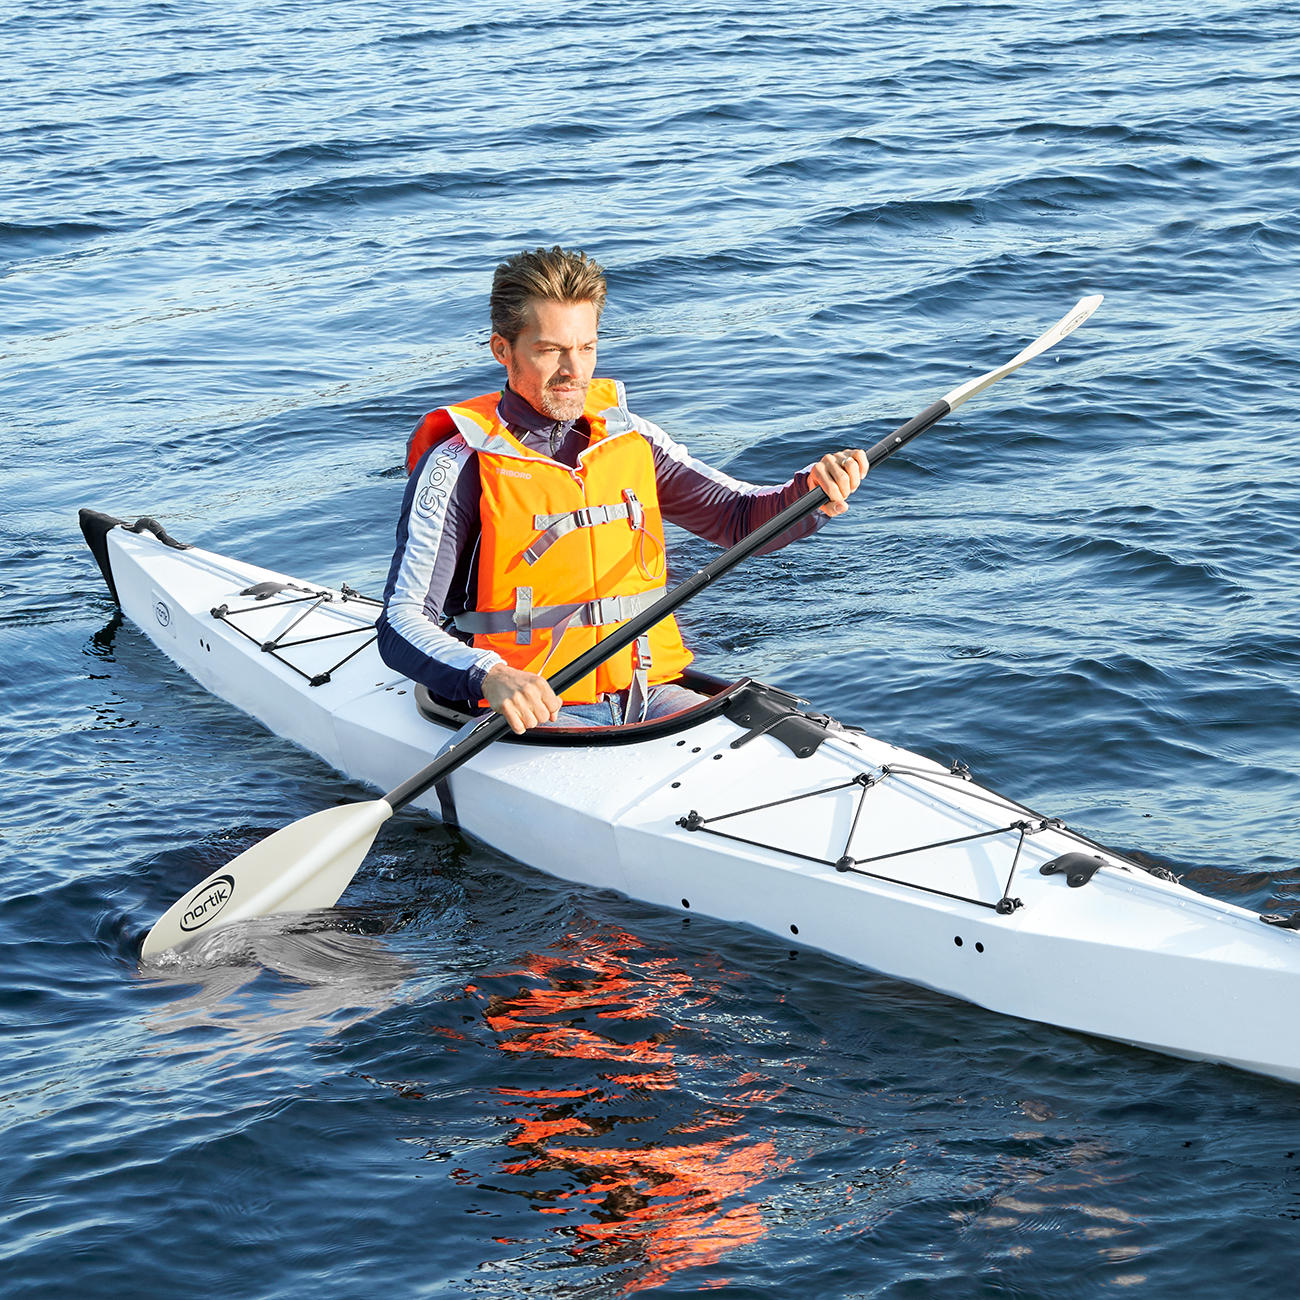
x: 758, y: 709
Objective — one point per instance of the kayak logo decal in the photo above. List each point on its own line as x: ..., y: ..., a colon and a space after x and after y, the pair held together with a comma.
x: 162, y: 613
x: 207, y: 902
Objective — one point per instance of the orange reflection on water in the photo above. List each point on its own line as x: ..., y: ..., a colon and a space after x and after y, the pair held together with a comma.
x: 677, y: 1195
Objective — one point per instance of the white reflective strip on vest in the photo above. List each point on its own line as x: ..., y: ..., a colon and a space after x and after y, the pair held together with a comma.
x: 475, y: 438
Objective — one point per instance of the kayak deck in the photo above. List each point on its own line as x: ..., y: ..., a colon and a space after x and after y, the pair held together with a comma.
x: 750, y: 810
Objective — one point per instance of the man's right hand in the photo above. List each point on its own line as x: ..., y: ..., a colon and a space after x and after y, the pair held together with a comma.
x: 524, y: 699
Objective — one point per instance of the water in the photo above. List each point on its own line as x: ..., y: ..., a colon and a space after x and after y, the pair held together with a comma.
x: 245, y: 246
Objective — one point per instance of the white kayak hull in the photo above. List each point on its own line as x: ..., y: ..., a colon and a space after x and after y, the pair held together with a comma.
x: 847, y: 849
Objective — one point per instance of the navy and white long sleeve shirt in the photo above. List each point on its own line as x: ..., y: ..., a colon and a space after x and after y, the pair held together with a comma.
x: 433, y: 575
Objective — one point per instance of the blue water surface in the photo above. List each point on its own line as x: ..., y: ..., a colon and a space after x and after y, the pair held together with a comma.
x: 244, y: 246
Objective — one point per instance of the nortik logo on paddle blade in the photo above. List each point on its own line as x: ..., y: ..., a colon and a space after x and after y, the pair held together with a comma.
x: 207, y: 902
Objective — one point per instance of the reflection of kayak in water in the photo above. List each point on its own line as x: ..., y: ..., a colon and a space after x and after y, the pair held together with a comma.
x: 640, y: 1171
x: 750, y: 810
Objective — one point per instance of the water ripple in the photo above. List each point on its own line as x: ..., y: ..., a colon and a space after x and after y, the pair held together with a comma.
x: 244, y: 249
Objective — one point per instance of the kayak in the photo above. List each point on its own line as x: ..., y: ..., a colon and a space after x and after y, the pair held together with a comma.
x: 753, y: 809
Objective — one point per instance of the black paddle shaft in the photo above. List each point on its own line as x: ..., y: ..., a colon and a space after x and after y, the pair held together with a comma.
x: 494, y: 725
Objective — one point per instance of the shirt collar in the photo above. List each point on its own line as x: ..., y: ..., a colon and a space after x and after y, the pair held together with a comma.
x: 517, y: 413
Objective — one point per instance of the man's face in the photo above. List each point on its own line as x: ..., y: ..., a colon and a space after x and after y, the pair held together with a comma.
x: 552, y: 360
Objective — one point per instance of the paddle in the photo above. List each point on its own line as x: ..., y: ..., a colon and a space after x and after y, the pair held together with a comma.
x: 309, y: 864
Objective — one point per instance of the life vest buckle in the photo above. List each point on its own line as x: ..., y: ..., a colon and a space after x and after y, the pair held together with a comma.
x: 606, y: 609
x: 635, y: 511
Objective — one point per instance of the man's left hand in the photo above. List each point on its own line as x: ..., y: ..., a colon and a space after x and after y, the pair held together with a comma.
x: 838, y: 475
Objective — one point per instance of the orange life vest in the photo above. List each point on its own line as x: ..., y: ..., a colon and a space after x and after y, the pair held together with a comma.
x: 566, y: 554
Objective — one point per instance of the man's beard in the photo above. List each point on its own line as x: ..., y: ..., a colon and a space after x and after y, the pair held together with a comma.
x: 564, y: 407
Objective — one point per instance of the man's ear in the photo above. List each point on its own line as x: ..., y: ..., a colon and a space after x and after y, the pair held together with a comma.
x: 500, y: 349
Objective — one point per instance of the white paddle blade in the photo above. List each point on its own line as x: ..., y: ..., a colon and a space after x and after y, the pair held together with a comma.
x: 1066, y: 325
x: 299, y: 867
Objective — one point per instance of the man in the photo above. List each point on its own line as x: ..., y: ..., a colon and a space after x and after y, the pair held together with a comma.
x: 532, y: 520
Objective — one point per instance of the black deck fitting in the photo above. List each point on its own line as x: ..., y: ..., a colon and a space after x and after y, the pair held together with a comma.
x: 1078, y: 868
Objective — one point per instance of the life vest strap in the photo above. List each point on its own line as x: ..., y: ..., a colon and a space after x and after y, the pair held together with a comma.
x: 638, y: 691
x: 556, y: 526
x: 526, y: 616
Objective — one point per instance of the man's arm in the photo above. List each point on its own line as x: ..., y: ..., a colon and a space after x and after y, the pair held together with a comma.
x: 436, y: 531
x: 722, y: 509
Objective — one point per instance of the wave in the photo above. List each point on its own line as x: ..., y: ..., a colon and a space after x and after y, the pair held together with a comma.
x: 38, y: 237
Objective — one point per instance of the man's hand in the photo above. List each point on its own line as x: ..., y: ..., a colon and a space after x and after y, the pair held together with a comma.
x: 523, y: 699
x: 838, y: 475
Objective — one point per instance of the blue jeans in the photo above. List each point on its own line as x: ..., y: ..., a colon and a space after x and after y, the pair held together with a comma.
x: 608, y: 711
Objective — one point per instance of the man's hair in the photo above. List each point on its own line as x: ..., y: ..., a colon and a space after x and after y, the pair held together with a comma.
x: 554, y: 274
